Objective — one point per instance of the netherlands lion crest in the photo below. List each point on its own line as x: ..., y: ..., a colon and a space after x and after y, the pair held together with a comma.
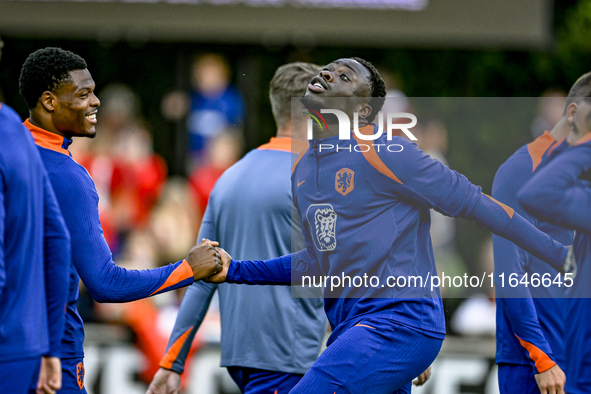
x: 323, y: 220
x: 344, y: 181
x: 80, y: 375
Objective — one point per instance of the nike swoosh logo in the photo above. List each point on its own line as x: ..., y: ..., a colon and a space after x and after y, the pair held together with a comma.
x: 299, y: 183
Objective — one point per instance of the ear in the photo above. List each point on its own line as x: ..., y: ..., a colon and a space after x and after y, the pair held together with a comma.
x: 48, y: 101
x: 571, y: 110
x: 364, y: 110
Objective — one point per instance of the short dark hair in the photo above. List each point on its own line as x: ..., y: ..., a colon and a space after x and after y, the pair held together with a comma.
x: 378, y: 88
x: 47, y: 69
x: 579, y: 91
x: 290, y: 80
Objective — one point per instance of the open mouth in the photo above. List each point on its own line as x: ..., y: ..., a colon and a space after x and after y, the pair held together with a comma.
x: 317, y: 85
x: 91, y: 117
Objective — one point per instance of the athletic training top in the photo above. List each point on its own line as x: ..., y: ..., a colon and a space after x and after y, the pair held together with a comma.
x: 560, y: 193
x: 365, y: 211
x: 34, y: 249
x: 529, y: 330
x: 91, y: 256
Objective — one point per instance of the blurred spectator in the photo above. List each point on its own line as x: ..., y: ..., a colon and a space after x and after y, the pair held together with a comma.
x: 477, y: 314
x: 212, y: 106
x: 138, y: 177
x: 175, y: 221
x: 223, y: 151
x: 550, y: 108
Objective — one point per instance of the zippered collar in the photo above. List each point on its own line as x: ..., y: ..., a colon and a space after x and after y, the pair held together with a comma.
x: 49, y: 140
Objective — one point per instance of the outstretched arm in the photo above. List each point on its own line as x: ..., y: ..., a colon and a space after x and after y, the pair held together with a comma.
x: 276, y: 271
x: 421, y: 178
x: 92, y: 258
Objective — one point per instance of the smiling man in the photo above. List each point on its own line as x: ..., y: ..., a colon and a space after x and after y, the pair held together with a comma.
x: 59, y: 92
x: 368, y: 214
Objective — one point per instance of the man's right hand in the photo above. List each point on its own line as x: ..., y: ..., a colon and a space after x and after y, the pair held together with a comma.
x: 551, y: 381
x: 165, y: 382
x: 204, y: 259
x: 220, y: 277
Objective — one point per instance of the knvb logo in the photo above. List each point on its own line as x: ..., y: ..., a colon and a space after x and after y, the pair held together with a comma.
x: 344, y: 182
x: 345, y: 124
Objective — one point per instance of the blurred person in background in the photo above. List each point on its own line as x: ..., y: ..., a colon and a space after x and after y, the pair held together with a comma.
x: 559, y: 193
x: 223, y: 151
x: 530, y: 330
x: 269, y: 339
x: 175, y: 220
x: 550, y: 110
x: 34, y: 262
x: 212, y: 106
x: 59, y: 92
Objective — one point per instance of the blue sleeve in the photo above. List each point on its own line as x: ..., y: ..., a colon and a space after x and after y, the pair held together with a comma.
x: 276, y: 271
x: 57, y: 254
x: 517, y: 303
x: 191, y: 313
x: 2, y: 219
x: 193, y: 308
x: 426, y: 180
x: 522, y: 314
x: 556, y: 194
x: 106, y: 282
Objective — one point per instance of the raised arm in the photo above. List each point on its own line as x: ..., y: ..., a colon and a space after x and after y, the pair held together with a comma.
x: 428, y: 181
x: 556, y: 194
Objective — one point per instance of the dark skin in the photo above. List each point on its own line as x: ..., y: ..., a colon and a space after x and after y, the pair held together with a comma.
x: 343, y: 78
x: 70, y: 111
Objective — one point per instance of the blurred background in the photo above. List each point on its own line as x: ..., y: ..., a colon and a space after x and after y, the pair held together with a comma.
x: 184, y: 92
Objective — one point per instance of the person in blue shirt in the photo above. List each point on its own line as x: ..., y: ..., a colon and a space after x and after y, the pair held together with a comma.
x: 269, y: 338
x: 59, y: 92
x: 34, y: 261
x: 530, y: 330
x: 365, y: 213
x: 560, y: 193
